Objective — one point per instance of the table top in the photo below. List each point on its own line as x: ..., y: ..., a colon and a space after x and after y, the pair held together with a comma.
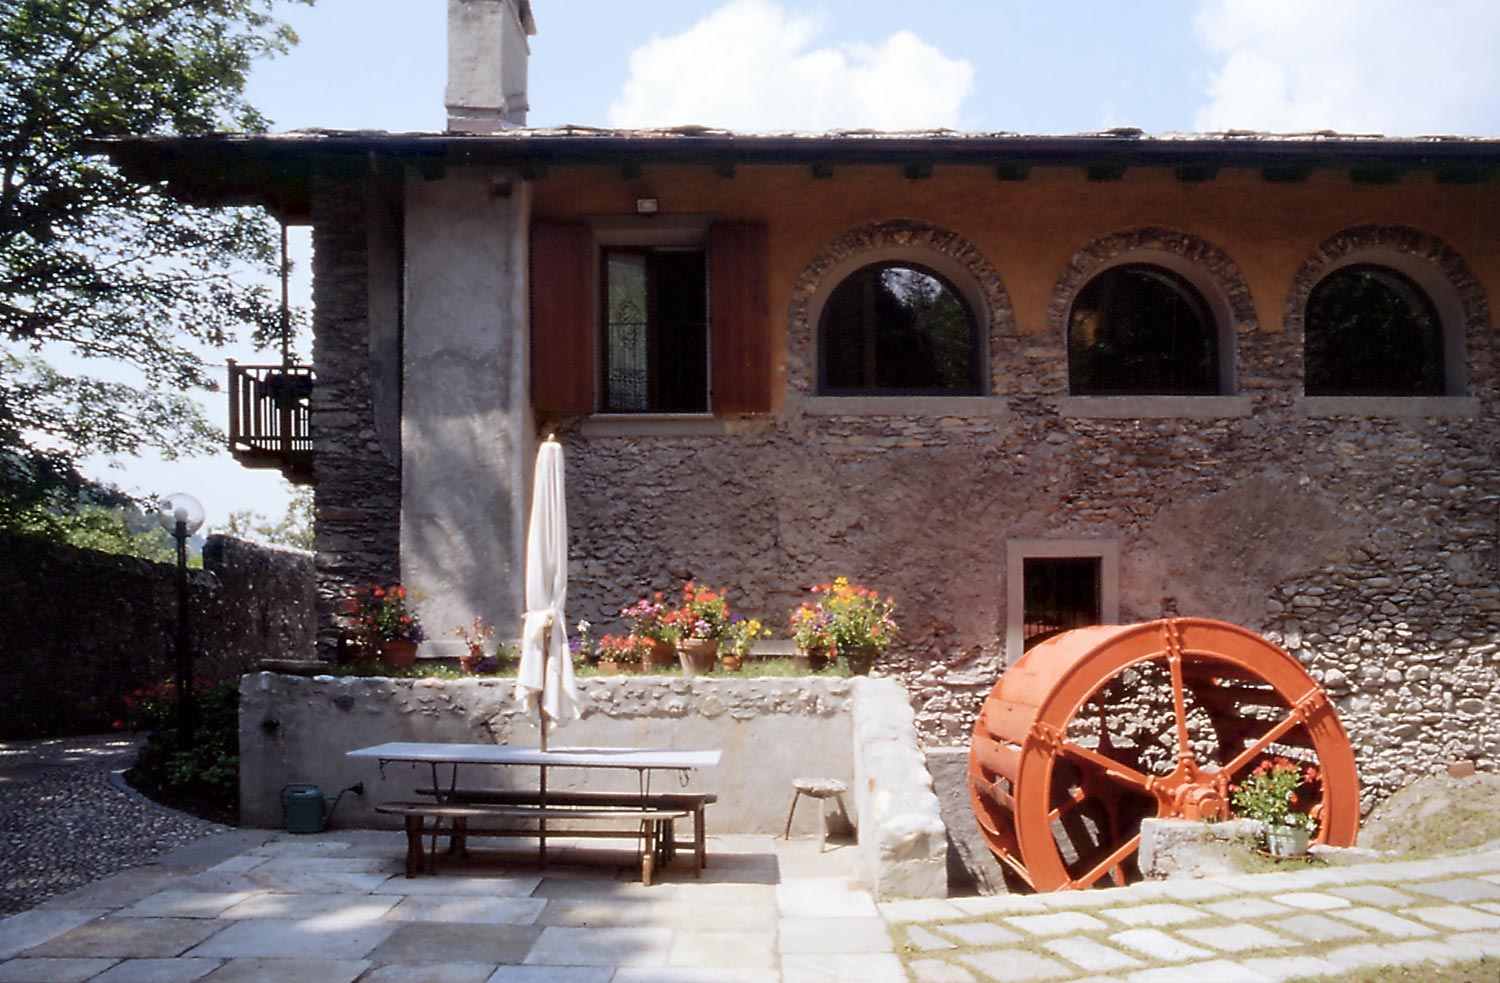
x: 562, y: 757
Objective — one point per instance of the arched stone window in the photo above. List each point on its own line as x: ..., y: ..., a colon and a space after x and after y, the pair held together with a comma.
x: 1371, y: 331
x: 1151, y: 312
x: 1385, y: 311
x: 1141, y: 328
x: 898, y: 328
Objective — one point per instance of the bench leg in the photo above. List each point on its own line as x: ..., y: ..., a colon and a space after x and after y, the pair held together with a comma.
x: 700, y: 842
x: 413, y: 845
x: 648, y: 852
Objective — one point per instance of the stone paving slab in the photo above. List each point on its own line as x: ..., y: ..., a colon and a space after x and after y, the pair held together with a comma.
x: 157, y: 971
x: 1236, y: 938
x: 1384, y: 922
x: 284, y: 970
x: 1156, y: 944
x: 1154, y: 914
x: 1091, y: 956
x: 31, y: 970
x: 1016, y: 966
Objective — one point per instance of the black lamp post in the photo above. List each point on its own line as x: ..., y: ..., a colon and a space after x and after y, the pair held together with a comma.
x: 182, y: 515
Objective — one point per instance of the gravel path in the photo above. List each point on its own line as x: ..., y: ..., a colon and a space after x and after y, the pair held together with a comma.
x: 66, y: 818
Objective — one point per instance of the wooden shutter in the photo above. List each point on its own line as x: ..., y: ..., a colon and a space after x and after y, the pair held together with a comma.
x: 739, y: 317
x: 562, y: 318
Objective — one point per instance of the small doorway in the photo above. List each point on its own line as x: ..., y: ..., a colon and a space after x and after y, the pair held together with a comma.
x: 1059, y: 593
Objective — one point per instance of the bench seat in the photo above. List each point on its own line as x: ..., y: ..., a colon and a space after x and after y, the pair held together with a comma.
x: 694, y: 802
x: 653, y: 826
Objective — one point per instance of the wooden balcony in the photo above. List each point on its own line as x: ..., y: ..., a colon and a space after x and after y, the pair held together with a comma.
x: 270, y: 418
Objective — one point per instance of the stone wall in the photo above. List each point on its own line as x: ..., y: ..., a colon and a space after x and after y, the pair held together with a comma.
x: 769, y: 730
x: 82, y: 628
x: 356, y: 402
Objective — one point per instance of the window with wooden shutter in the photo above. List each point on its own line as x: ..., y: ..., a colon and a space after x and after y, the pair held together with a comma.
x: 662, y: 309
x: 739, y: 315
x: 562, y: 318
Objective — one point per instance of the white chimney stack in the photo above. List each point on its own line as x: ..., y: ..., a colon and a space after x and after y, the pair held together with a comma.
x: 487, y: 55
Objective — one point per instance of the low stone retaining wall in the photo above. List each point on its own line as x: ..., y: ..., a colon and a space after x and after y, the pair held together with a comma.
x: 770, y: 730
x: 901, y: 832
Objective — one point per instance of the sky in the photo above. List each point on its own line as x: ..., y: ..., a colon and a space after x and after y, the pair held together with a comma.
x: 1397, y: 67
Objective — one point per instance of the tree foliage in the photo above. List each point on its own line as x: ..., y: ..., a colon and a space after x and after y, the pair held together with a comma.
x: 294, y: 528
x: 96, y: 267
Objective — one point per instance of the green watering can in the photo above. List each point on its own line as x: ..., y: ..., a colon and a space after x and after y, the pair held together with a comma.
x: 305, y: 810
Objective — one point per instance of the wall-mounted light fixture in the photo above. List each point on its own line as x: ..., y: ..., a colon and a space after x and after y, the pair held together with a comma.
x: 647, y: 206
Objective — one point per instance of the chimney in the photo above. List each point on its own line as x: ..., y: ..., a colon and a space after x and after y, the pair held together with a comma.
x: 487, y: 54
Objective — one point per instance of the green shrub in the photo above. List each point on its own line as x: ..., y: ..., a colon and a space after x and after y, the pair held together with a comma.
x: 204, y: 769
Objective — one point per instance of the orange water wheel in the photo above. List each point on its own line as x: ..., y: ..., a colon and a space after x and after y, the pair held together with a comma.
x: 1095, y: 729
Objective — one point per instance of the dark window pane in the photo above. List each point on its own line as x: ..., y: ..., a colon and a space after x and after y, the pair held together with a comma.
x: 1060, y: 593
x: 896, y: 328
x: 1141, y: 329
x: 655, y: 332
x: 1371, y: 331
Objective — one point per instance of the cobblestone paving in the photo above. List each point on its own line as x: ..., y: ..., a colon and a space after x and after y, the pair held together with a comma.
x: 66, y: 821
x: 1252, y: 928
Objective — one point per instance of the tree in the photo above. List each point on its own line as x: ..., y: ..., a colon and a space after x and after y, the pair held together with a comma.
x: 95, y: 267
x: 294, y: 529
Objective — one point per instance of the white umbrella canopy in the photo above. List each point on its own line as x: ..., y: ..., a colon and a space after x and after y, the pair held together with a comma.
x: 545, y: 679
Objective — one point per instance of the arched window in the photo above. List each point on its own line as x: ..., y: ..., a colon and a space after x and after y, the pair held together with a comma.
x: 1371, y: 331
x: 1142, y: 329
x: 897, y: 328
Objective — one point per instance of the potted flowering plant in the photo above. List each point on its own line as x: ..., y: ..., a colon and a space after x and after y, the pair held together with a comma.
x: 618, y: 651
x: 1272, y: 795
x: 738, y: 638
x: 384, y: 624
x: 647, y: 619
x: 811, y: 636
x: 700, y: 624
x: 853, y: 621
x: 474, y: 636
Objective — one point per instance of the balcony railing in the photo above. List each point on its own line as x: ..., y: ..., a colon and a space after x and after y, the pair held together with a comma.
x: 269, y: 418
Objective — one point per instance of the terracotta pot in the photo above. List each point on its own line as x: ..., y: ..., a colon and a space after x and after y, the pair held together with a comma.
x: 811, y: 660
x: 609, y: 668
x: 861, y: 659
x: 697, y: 655
x: 399, y: 654
x: 469, y: 660
x: 731, y: 663
x: 660, y: 653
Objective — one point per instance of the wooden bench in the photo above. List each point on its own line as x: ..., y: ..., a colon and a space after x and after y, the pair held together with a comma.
x: 694, y: 802
x: 654, y: 826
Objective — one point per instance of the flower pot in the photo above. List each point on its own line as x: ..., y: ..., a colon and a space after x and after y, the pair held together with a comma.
x: 1287, y: 841
x: 469, y: 660
x: 609, y: 668
x: 731, y: 663
x: 697, y: 654
x: 660, y: 653
x: 860, y: 659
x: 398, y: 654
x: 811, y: 660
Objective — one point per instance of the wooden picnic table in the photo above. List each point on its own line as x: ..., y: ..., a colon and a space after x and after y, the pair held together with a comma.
x: 461, y: 805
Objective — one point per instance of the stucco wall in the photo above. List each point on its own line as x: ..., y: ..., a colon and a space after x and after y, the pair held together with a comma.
x: 770, y: 730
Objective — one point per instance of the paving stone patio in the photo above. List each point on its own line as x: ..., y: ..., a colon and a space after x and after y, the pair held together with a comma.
x: 247, y: 906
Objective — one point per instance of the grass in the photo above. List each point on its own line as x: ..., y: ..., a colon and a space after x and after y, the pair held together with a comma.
x: 753, y: 669
x: 1481, y: 970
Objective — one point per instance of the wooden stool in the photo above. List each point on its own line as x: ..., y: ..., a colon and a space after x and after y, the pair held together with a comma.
x: 821, y: 789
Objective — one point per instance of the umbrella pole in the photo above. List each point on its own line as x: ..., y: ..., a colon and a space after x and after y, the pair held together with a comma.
x: 542, y: 717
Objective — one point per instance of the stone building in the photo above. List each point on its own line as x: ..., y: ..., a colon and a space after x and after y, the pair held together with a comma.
x: 1018, y: 382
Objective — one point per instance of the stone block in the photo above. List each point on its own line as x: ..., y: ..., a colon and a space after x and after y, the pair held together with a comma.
x: 1178, y: 848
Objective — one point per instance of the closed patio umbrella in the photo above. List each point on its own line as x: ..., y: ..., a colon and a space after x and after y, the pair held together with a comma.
x: 545, y: 679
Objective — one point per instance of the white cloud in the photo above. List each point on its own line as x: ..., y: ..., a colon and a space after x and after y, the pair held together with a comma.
x: 1358, y: 66
x: 751, y: 66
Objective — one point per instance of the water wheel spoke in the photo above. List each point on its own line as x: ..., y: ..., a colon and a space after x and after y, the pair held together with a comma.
x: 1109, y: 766
x: 1179, y: 705
x: 1076, y: 797
x: 1264, y: 741
x: 1115, y: 858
